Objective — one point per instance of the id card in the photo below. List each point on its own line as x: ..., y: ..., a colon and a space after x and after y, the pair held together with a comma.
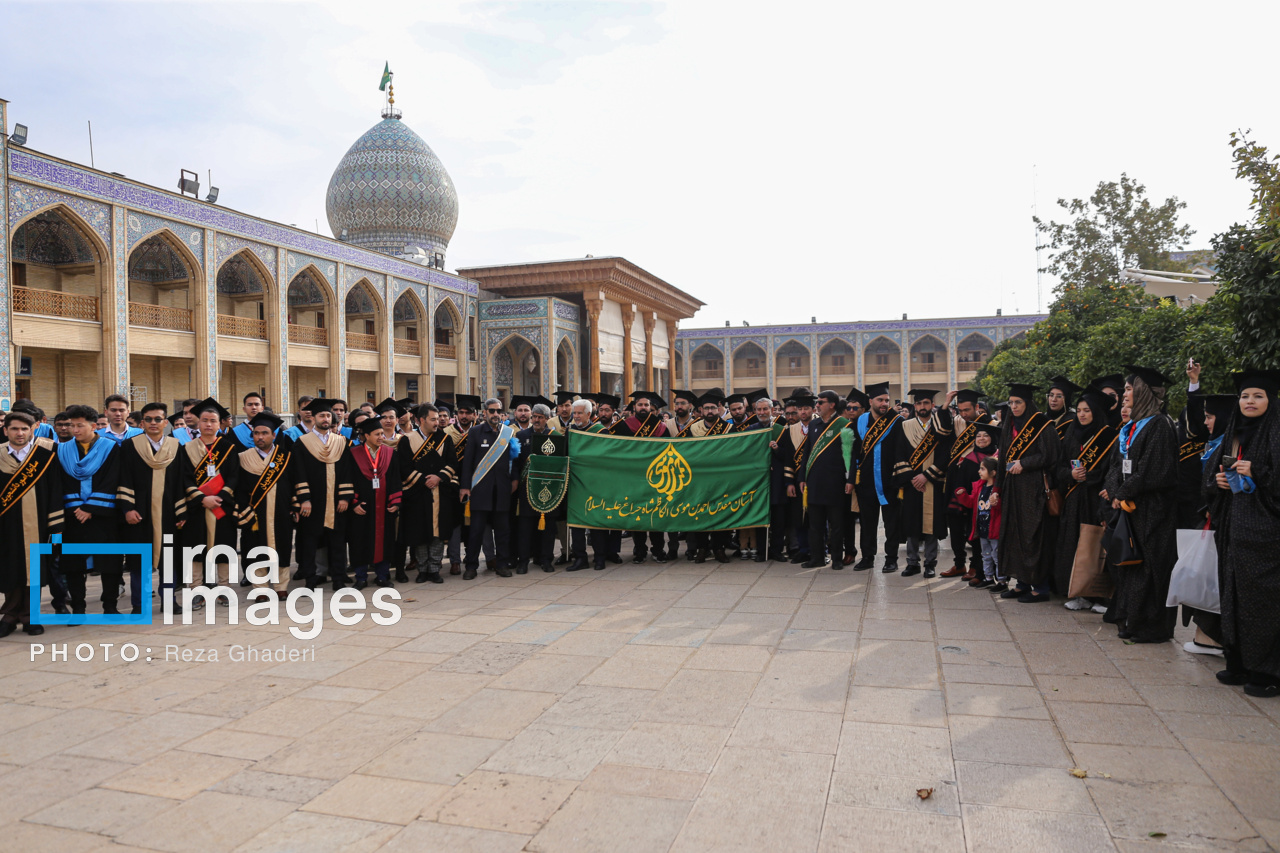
x: 1126, y: 466
x: 377, y: 483
x: 211, y: 471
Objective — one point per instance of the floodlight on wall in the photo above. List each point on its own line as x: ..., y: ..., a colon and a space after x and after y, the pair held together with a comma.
x: 189, y: 185
x: 212, y: 197
x: 19, y: 135
x: 343, y: 236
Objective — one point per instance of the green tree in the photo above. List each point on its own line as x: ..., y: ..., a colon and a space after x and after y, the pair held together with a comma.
x: 1115, y: 228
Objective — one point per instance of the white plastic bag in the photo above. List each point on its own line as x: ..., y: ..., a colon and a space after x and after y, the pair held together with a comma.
x: 1195, y: 576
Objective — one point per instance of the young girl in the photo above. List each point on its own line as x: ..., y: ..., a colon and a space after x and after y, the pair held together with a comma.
x: 984, y: 500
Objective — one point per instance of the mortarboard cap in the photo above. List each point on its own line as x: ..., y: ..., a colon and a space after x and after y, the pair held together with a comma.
x: 856, y: 396
x: 755, y: 396
x: 1096, y: 399
x: 369, y: 425
x: 654, y: 400
x: 880, y: 389
x: 918, y: 395
x: 177, y: 419
x: 1114, y: 381
x: 1152, y: 377
x: 687, y: 396
x: 470, y: 402
x: 968, y: 395
x: 990, y: 429
x: 608, y: 400
x: 804, y: 399
x: 266, y: 419
x: 209, y: 404
x: 1068, y: 388
x: 1267, y: 380
x: 518, y: 400
x: 441, y: 404
x: 710, y: 397
x: 387, y: 405
x: 320, y: 404
x: 405, y: 404
x: 565, y: 396
x: 1022, y: 391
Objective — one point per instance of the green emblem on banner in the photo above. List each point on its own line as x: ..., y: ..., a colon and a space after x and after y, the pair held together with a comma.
x: 546, y: 481
x: 693, y: 485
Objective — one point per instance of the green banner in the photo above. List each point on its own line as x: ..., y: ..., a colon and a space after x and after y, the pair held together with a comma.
x: 674, y: 485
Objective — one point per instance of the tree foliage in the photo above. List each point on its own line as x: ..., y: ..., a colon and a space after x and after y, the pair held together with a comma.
x: 1115, y: 228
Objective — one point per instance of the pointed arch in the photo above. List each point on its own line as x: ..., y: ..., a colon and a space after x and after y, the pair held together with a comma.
x: 929, y: 355
x: 566, y: 361
x: 837, y: 357
x: 312, y: 273
x: 750, y: 361
x: 882, y: 356
x: 973, y: 351
x: 250, y: 259
x: 365, y: 286
x: 741, y: 350
x: 792, y: 363
x: 72, y: 219
x: 194, y: 265
x: 516, y: 354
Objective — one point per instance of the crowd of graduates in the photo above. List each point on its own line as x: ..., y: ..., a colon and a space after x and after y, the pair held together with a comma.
x: 1028, y: 498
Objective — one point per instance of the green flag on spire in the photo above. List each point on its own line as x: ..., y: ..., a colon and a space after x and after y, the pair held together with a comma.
x: 386, y: 78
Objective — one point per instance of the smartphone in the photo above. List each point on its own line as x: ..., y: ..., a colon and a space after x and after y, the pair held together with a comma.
x: 1008, y: 467
x: 1075, y: 463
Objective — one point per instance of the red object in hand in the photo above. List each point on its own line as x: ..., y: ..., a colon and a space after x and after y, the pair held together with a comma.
x: 211, y: 487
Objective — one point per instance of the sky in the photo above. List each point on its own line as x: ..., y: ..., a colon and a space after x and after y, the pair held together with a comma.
x: 845, y: 161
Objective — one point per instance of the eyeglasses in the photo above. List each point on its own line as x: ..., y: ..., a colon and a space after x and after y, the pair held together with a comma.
x: 154, y: 420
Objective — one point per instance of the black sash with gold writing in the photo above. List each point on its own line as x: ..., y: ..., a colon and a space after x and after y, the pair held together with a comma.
x: 25, y: 477
x: 721, y: 427
x: 964, y: 441
x: 1062, y: 422
x: 270, y: 476
x: 684, y: 432
x: 923, y: 449
x: 1191, y: 449
x: 429, y: 443
x: 1030, y: 432
x: 1095, y: 450
x: 651, y: 423
x: 214, y: 455
x: 877, y: 431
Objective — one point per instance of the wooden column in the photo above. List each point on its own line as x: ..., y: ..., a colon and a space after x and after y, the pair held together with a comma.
x: 673, y: 381
x: 594, y: 306
x: 628, y: 317
x: 650, y: 323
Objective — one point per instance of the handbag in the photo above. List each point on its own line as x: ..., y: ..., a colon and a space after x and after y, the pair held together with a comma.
x: 1122, y: 547
x: 1053, y: 498
x: 1089, y: 577
x: 1194, y: 582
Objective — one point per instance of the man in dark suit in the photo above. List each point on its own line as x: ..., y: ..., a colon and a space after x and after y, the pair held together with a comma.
x: 825, y: 475
x: 489, y: 479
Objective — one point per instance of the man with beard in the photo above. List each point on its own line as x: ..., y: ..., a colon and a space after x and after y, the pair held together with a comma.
x: 564, y: 411
x: 962, y: 472
x: 465, y: 407
x: 645, y: 422
x: 210, y: 473
x: 606, y: 410
x: 150, y: 489
x: 825, y: 478
x: 268, y: 488
x: 522, y: 410
x: 303, y: 426
x: 583, y: 421
x: 856, y: 405
x: 428, y: 513
x: 788, y: 451
x: 879, y: 433
x: 488, y: 482
x: 322, y: 520
x: 31, y: 509
x: 922, y: 476
x: 683, y: 405
x: 536, y: 533
x: 752, y: 540
x: 704, y: 544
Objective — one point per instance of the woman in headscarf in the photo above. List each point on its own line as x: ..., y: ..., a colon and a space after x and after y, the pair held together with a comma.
x: 1081, y: 472
x: 1143, y: 481
x: 1242, y: 480
x: 1029, y: 448
x: 1216, y: 410
x: 1058, y: 403
x: 1113, y: 386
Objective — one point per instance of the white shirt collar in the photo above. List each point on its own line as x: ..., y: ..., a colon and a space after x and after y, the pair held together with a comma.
x: 265, y: 454
x: 20, y: 455
x: 155, y: 445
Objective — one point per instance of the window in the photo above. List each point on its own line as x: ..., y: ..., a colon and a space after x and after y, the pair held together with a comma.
x: 882, y: 359
x: 713, y: 364
x: 411, y: 333
x: 976, y: 357
x: 753, y: 364
x: 926, y: 359
x: 369, y: 328
x: 320, y: 323
x: 794, y: 362
x: 837, y: 361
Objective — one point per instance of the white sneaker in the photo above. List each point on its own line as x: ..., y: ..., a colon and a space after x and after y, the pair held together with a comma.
x: 1099, y: 608
x: 1078, y: 604
x: 1197, y: 649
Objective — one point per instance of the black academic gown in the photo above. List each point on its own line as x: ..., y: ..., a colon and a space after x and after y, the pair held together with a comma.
x: 427, y: 514
x: 1192, y: 436
x: 151, y: 492
x: 371, y: 537
x: 201, y: 527
x: 914, y: 515
x: 324, y: 498
x: 894, y: 449
x: 1023, y: 506
x: 825, y: 479
x: 101, y: 525
x: 1081, y: 503
x: 267, y: 497
x: 1141, y: 590
x: 533, y: 444
x: 32, y: 512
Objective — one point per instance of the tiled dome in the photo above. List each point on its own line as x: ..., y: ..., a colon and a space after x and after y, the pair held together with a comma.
x: 391, y: 190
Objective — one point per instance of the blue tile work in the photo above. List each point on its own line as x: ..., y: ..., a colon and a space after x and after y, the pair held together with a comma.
x: 298, y: 261
x: 502, y: 309
x: 284, y: 404
x: 142, y: 226
x: 566, y: 311
x: 228, y: 245
x: 6, y: 375
x: 391, y: 190
x: 120, y: 289
x: 33, y: 168
x: 211, y: 309
x: 26, y: 199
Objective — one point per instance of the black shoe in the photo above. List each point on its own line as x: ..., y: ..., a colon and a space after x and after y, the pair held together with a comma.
x: 813, y: 564
x: 434, y: 577
x: 33, y: 630
x: 930, y: 572
x: 402, y: 576
x: 800, y: 557
x: 910, y: 571
x: 983, y: 583
x: 297, y: 574
x: 1260, y: 691
x: 701, y: 556
x: 721, y: 556
x: 1235, y: 679
x: 776, y: 556
x: 889, y: 567
x: 659, y: 558
x: 61, y: 607
x: 1000, y: 586
x: 600, y: 567
x: 616, y: 559
x: 421, y: 578
x: 759, y: 557
x: 361, y: 584
x: 577, y: 565
x: 469, y: 575
x: 864, y: 564
x: 110, y: 609
x: 7, y: 628
x: 385, y: 582
x: 638, y: 559
x: 548, y: 568
x: 245, y: 582
x: 563, y: 561
x: 503, y: 573
x: 1033, y: 598
x: 522, y: 570
x: 1014, y: 592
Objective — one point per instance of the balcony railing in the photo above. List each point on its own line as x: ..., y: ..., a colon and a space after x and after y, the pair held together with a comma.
x: 54, y: 303
x: 718, y: 373
x: 311, y: 335
x: 793, y: 371
x: 361, y: 341
x: 446, y: 351
x: 749, y: 373
x: 242, y: 327
x: 159, y: 317
x: 404, y: 346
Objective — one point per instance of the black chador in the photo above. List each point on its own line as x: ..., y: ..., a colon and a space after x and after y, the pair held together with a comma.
x: 151, y: 486
x: 266, y: 500
x: 30, y: 510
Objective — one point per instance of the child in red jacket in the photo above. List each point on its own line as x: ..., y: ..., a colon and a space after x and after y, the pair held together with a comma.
x: 984, y: 500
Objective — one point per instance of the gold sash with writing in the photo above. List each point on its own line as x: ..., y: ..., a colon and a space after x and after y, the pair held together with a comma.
x: 268, y: 471
x: 651, y: 423
x: 923, y: 450
x: 965, y: 440
x: 159, y: 462
x: 22, y: 478
x: 1029, y: 433
x: 1094, y: 451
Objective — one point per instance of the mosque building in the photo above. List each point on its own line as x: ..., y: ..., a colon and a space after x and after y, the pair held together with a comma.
x: 109, y: 285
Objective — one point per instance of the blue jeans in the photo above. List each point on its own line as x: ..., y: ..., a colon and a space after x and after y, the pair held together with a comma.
x: 991, y: 559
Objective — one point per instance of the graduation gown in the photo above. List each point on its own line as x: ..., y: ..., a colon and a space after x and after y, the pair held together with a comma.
x: 324, y: 469
x: 202, y: 527
x: 459, y: 437
x: 925, y: 513
x: 150, y: 485
x: 1081, y: 503
x: 30, y: 508
x: 101, y: 486
x: 426, y: 513
x: 1152, y: 485
x: 873, y: 478
x: 1023, y: 505
x: 652, y: 426
x: 1247, y: 528
x: 371, y: 537
x: 1192, y: 439
x: 962, y: 468
x: 823, y: 467
x: 267, y: 496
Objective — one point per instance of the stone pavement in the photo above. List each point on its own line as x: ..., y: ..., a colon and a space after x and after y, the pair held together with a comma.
x: 681, y: 707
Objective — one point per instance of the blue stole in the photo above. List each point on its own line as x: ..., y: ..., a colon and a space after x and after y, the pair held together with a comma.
x: 346, y: 432
x: 494, y: 453
x: 1133, y: 430
x: 295, y: 432
x: 244, y: 434
x: 83, y: 470
x: 1209, y: 449
x: 44, y: 431
x: 864, y: 423
x: 129, y: 432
